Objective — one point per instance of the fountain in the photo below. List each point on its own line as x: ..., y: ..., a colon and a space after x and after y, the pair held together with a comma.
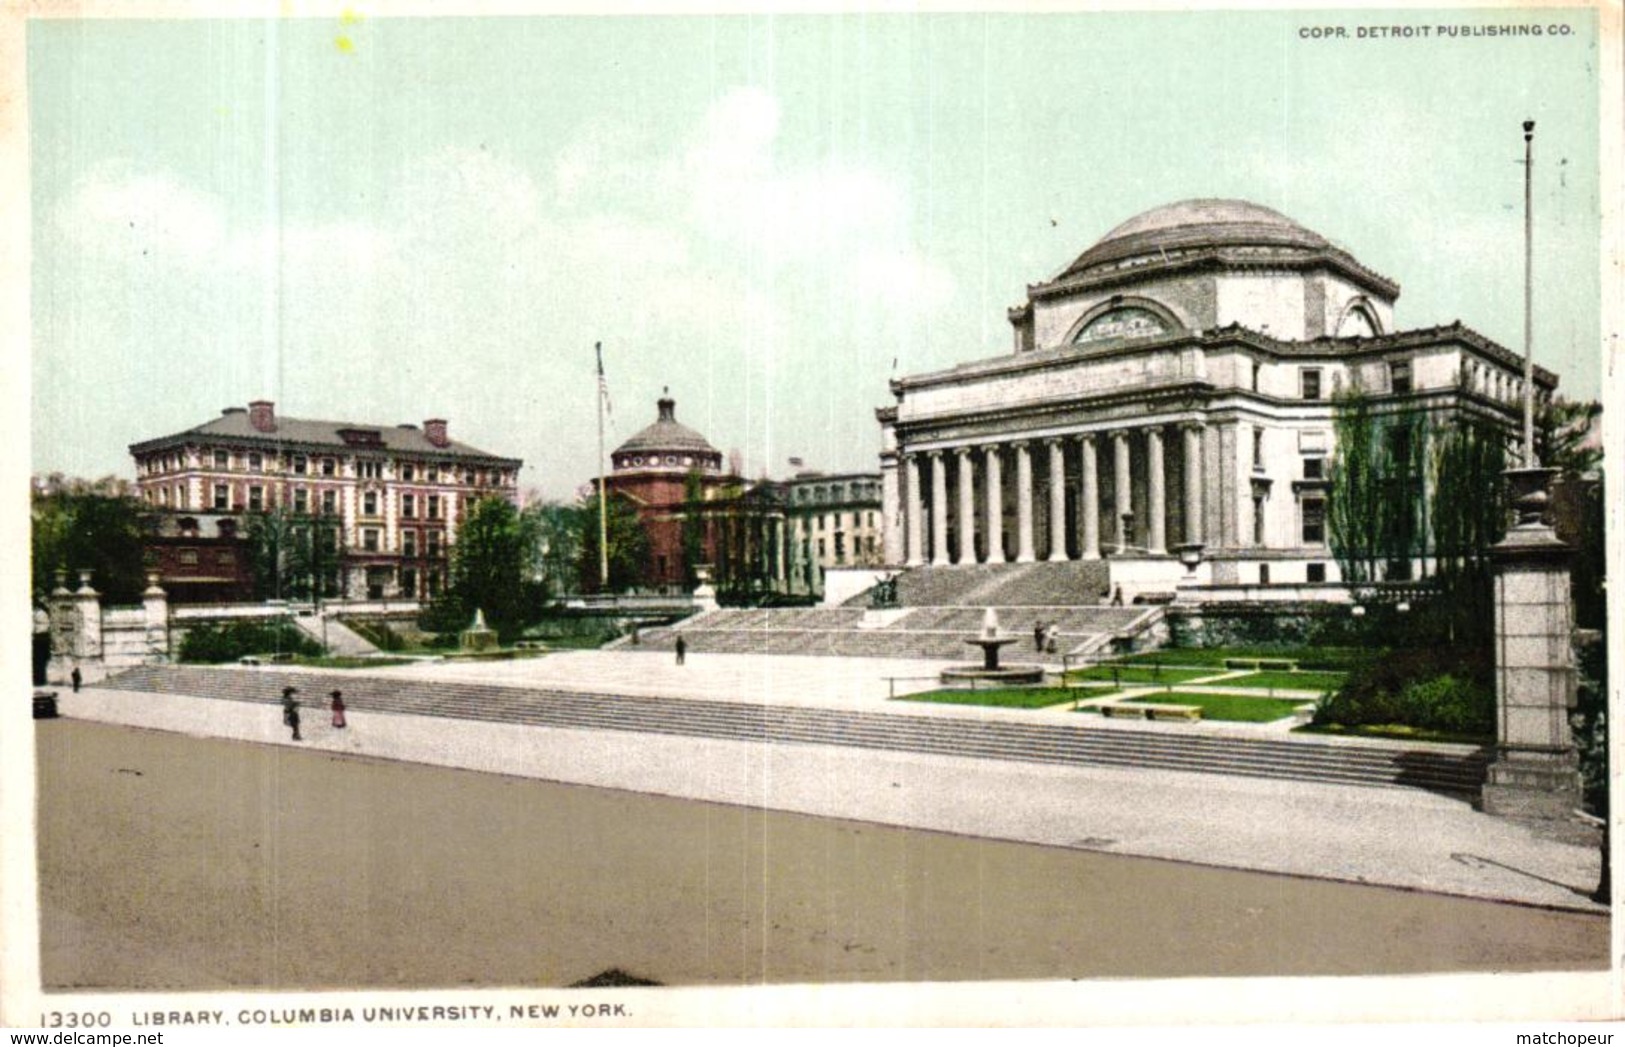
x: 478, y: 637
x: 990, y: 641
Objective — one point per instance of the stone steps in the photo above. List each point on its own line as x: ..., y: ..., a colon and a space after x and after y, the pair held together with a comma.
x: 1457, y: 770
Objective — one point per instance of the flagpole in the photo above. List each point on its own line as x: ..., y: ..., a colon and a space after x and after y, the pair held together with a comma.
x: 603, y: 498
x: 1528, y: 293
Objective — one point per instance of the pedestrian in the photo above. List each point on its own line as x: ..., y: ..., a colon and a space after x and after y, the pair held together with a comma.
x: 1050, y: 635
x: 77, y: 679
x: 338, y: 709
x: 1038, y: 635
x: 1117, y: 597
x: 682, y: 649
x: 293, y: 721
x: 289, y: 704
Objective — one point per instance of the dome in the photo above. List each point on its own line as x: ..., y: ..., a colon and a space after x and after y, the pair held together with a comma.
x: 1196, y: 224
x: 666, y: 434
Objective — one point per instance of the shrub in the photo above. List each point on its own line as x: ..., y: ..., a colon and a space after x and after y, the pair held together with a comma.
x: 229, y: 641
x: 1439, y: 689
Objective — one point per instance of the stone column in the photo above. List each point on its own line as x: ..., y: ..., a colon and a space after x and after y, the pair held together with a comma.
x: 1024, y: 503
x: 995, y: 504
x: 155, y: 604
x: 1156, y: 495
x: 1536, y: 769
x: 914, y: 514
x: 1089, y: 501
x: 1057, y: 500
x: 967, y: 507
x: 1124, y: 494
x: 780, y: 573
x: 1193, y: 482
x: 939, y: 509
x: 891, y: 514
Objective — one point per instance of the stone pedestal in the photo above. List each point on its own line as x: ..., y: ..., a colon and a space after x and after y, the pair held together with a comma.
x: 1536, y: 770
x: 705, y: 595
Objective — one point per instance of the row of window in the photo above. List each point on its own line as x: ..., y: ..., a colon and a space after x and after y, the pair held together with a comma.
x: 858, y: 491
x: 365, y: 468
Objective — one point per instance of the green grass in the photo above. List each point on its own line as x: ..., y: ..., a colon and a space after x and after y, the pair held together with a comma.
x: 1007, y: 697
x: 1242, y: 708
x: 1335, y: 659
x: 1137, y: 674
x: 336, y: 661
x: 1317, y: 682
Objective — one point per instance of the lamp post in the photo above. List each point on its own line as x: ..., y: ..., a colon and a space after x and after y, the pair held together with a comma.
x: 1528, y: 295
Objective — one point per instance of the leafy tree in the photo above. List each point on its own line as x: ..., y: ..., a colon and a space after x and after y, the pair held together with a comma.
x: 1567, y: 437
x: 488, y: 565
x: 629, y: 548
x: 294, y: 556
x: 553, y: 535
x: 81, y: 526
x: 1354, y: 505
x: 1468, y: 517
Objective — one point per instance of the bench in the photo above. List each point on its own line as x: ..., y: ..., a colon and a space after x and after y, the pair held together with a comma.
x: 530, y: 645
x: 1151, y: 711
x: 1287, y: 665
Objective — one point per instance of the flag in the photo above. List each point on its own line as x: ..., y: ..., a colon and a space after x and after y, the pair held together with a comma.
x: 603, y: 385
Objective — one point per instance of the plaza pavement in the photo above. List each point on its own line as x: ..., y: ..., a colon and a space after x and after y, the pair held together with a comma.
x: 1396, y: 837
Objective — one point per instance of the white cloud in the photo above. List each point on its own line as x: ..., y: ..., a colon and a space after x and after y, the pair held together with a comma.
x: 113, y: 212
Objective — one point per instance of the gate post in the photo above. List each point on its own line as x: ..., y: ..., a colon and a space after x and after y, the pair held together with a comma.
x: 1536, y: 770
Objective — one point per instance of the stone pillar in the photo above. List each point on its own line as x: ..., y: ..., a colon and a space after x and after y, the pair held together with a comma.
x: 891, y: 514
x: 1157, y: 495
x: 1536, y: 770
x: 1057, y: 500
x: 76, y: 630
x: 1088, y: 500
x: 1193, y: 483
x: 967, y: 507
x: 995, y: 504
x: 1024, y: 503
x: 780, y: 573
x: 914, y: 513
x: 939, y: 510
x: 155, y: 602
x: 1124, y: 494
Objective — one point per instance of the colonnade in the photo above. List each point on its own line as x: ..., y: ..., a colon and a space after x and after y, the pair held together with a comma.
x: 979, y: 490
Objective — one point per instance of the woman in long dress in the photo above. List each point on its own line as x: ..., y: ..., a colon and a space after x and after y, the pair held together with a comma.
x: 338, y: 708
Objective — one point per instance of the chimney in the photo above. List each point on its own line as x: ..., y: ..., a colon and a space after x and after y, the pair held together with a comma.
x: 262, y: 415
x: 668, y: 409
x: 434, y: 430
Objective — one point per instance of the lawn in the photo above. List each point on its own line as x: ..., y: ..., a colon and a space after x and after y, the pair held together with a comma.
x: 1006, y: 697
x: 1303, y: 681
x: 1335, y: 659
x: 1243, y: 708
x: 1139, y: 674
x: 337, y: 661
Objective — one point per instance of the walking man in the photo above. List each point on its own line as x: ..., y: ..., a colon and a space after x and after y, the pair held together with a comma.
x: 682, y: 649
x: 77, y: 679
x: 1038, y: 635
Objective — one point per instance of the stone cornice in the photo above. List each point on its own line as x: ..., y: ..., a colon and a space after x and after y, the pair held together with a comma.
x: 1141, y: 267
x: 181, y: 441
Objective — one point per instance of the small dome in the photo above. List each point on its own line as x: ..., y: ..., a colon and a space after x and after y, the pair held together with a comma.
x: 667, y: 434
x: 1197, y: 224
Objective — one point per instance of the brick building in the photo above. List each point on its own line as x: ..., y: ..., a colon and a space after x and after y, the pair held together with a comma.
x: 389, y: 497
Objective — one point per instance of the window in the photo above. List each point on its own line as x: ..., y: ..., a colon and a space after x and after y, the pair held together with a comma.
x: 1399, y: 376
x: 408, y: 472
x: 255, y: 462
x: 330, y: 500
x: 329, y: 467
x: 1258, y: 450
x: 1255, y: 375
x: 1316, y: 572
x: 301, y: 464
x: 434, y: 507
x: 1314, y: 521
x: 222, y: 460
x: 369, y: 470
x: 409, y: 581
x: 256, y: 499
x: 1314, y: 468
x: 432, y: 544
x: 225, y: 558
x: 1309, y: 383
x: 840, y: 546
x: 409, y: 544
x: 1263, y: 574
x: 369, y: 539
x: 1258, y: 520
x: 222, y: 500
x: 188, y: 557
x: 369, y: 503
x: 301, y: 500
x: 409, y: 506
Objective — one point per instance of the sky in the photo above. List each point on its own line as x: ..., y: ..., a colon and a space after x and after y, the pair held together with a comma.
x: 383, y: 220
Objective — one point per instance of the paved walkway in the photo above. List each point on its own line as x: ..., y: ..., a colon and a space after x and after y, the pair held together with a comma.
x: 1396, y: 837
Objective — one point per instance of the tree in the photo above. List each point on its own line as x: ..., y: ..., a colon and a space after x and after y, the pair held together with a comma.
x: 553, y: 533
x: 1353, y: 507
x: 81, y: 526
x: 1468, y: 517
x: 629, y: 548
x: 1568, y: 436
x: 488, y: 565
x: 294, y: 556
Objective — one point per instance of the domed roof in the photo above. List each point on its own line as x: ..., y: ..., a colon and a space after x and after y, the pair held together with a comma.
x: 666, y: 433
x: 1198, y: 224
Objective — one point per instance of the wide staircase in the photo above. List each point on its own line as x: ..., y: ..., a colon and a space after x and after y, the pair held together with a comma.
x: 1040, y: 584
x: 1455, y: 770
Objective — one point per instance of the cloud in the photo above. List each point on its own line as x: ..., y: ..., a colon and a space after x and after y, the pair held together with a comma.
x: 117, y: 213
